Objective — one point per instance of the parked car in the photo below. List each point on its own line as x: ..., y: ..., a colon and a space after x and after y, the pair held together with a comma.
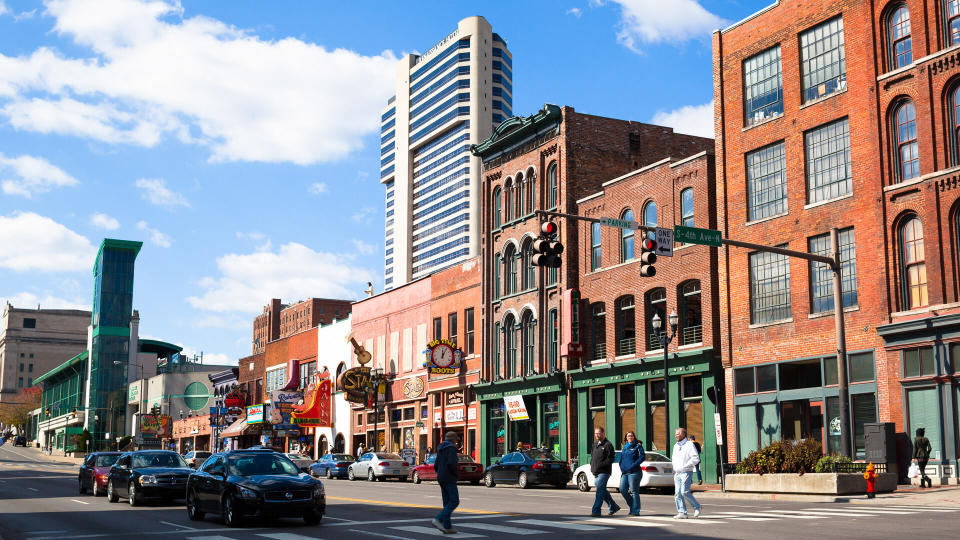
x: 20, y: 440
x: 332, y: 465
x: 657, y: 473
x: 148, y: 474
x: 95, y: 470
x: 470, y: 470
x: 528, y: 467
x: 301, y: 461
x: 378, y: 466
x: 195, y: 458
x: 245, y: 483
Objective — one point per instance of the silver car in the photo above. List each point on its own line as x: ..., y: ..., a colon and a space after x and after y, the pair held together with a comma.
x: 377, y: 466
x: 301, y: 461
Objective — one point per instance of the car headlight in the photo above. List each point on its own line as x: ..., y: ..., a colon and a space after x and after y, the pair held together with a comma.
x: 147, y: 480
x: 246, y: 493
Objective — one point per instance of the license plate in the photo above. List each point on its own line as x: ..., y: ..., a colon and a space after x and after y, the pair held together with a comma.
x: 554, y: 466
x: 396, y: 471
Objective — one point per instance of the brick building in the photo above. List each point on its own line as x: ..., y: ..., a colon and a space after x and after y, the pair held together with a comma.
x: 546, y: 161
x: 282, y: 320
x: 798, y: 154
x: 250, y: 375
x: 266, y: 325
x: 621, y: 386
x: 290, y: 363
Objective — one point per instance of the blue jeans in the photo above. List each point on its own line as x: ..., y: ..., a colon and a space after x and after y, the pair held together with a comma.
x: 681, y: 484
x: 602, y: 494
x: 632, y: 496
x: 451, y: 500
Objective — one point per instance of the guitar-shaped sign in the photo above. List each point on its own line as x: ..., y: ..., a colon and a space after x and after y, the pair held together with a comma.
x: 363, y: 356
x: 275, y: 416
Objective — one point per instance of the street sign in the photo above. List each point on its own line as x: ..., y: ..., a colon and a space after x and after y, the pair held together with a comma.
x: 419, y: 424
x: 664, y: 242
x: 619, y: 223
x: 695, y: 235
x: 716, y: 424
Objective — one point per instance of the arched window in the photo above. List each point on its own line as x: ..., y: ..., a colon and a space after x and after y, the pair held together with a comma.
x: 905, y: 138
x: 340, y: 369
x: 496, y: 207
x: 519, y: 187
x: 497, y: 340
x: 656, y: 300
x: 686, y: 207
x: 510, y: 260
x: 650, y: 216
x: 508, y: 201
x: 955, y: 123
x: 626, y: 326
x: 898, y: 37
x: 553, y: 189
x: 598, y: 330
x: 691, y: 317
x: 951, y: 14
x: 510, y: 329
x: 529, y: 279
x: 913, y: 267
x: 530, y: 189
x: 529, y: 331
x: 626, y: 238
x: 497, y: 273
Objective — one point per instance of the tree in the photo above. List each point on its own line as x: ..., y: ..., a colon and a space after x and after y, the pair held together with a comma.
x: 16, y: 412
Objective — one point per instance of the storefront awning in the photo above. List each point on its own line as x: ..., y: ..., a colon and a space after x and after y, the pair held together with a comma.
x: 240, y: 427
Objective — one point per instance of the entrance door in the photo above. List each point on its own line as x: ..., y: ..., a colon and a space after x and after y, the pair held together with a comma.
x: 923, y: 413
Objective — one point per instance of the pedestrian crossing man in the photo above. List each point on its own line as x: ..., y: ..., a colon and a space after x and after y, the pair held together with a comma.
x: 685, y: 461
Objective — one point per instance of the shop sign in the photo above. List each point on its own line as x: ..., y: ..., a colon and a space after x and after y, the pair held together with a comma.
x: 235, y: 399
x: 570, y: 342
x: 409, y: 455
x: 255, y: 414
x: 436, y: 417
x: 419, y: 424
x: 516, y: 409
x: 354, y: 383
x: 835, y: 426
x: 155, y: 425
x: 134, y: 395
x: 472, y: 414
x: 282, y: 403
x: 413, y: 388
x: 454, y: 415
x: 455, y: 398
x: 315, y: 411
x: 442, y: 357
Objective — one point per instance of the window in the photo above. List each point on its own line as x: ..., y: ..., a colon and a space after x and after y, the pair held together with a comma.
x: 19, y: 382
x: 29, y: 323
x: 529, y: 271
x: 553, y: 331
x: 766, y: 182
x: 468, y: 330
x: 686, y: 207
x: 424, y: 411
x: 769, y: 287
x: 900, y: 52
x: 510, y: 258
x: 497, y: 337
x: 658, y: 415
x: 767, y: 378
x: 919, y: 362
x: 829, y: 171
x: 30, y: 370
x: 952, y: 17
x: 409, y: 413
x: 762, y: 86
x: 625, y: 326
x: 553, y: 188
x: 744, y: 381
x: 530, y: 190
x: 861, y: 367
x: 496, y: 208
x: 497, y: 264
x: 626, y: 407
x: 907, y: 153
x: 595, y: 246
x: 510, y: 327
x: 656, y: 305
x: 437, y: 328
x: 954, y: 110
x: 626, y: 238
x: 529, y: 331
x: 822, y: 59
x: 598, y: 412
x: 520, y: 187
x: 821, y: 276
x: 599, y: 330
x: 21, y: 367
x: 452, y: 327
x: 508, y: 201
x: 691, y: 316
x: 650, y: 216
x: 913, y: 268
x: 691, y: 392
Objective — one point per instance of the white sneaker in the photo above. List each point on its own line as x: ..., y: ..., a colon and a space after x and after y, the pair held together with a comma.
x: 680, y: 516
x: 696, y: 513
x: 436, y: 523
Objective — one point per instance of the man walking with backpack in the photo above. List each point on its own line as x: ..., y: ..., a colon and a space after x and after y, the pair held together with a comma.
x: 448, y: 472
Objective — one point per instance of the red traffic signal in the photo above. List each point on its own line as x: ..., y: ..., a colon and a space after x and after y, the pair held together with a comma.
x: 546, y: 250
x: 648, y: 257
x: 549, y: 228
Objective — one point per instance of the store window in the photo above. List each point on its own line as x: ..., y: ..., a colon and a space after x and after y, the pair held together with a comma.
x: 598, y: 414
x: 551, y: 425
x: 918, y: 362
x: 658, y: 415
x: 691, y: 394
x: 627, y: 411
x: 498, y: 431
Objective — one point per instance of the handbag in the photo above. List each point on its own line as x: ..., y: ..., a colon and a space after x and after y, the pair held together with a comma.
x: 913, y: 471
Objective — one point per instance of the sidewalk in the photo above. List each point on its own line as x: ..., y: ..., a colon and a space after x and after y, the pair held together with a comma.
x: 904, y: 495
x: 57, y: 457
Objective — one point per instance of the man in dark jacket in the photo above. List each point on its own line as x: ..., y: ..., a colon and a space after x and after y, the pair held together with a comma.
x: 601, y: 465
x: 448, y: 472
x: 921, y: 453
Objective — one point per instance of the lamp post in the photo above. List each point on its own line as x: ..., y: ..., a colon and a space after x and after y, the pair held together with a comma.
x: 665, y: 342
x: 376, y: 376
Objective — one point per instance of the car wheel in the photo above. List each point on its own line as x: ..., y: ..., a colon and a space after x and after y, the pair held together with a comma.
x: 132, y: 497
x: 329, y: 474
x: 582, y: 483
x: 83, y: 490
x: 350, y: 475
x: 488, y: 480
x: 193, y: 511
x: 230, y: 516
x: 416, y: 477
x: 95, y: 489
x: 111, y: 493
x: 523, y: 481
x: 370, y: 475
x: 312, y: 518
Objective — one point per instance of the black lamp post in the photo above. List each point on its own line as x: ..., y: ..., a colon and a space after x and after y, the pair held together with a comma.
x: 665, y: 342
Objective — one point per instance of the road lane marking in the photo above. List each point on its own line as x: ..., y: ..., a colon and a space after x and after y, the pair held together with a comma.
x: 33, y: 489
x: 43, y: 532
x: 146, y: 533
x: 389, y: 521
x: 882, y: 511
x: 665, y: 519
x: 381, y: 535
x: 286, y: 536
x: 499, y: 528
x: 178, y: 525
x: 560, y: 525
x: 620, y: 521
x: 81, y: 502
x: 432, y: 531
x: 772, y: 514
x: 841, y: 512
x: 341, y: 519
x: 409, y: 505
x: 908, y: 508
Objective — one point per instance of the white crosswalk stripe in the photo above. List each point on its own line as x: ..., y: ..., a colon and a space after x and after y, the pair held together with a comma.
x: 559, y: 524
x: 777, y: 514
x: 498, y: 528
x: 286, y: 536
x: 431, y: 531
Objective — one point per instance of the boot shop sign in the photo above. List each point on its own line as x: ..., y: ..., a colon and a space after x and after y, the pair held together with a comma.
x: 442, y: 357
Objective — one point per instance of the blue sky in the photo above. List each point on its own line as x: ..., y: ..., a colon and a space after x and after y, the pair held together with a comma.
x: 239, y: 140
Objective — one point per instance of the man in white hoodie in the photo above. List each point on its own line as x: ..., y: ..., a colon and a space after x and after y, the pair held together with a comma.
x: 685, y: 461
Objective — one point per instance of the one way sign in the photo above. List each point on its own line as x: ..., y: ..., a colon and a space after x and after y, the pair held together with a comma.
x: 664, y: 242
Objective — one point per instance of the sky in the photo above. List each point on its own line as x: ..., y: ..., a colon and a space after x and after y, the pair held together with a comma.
x: 239, y: 141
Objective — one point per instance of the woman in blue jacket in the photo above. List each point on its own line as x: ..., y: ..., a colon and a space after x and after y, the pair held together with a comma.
x: 631, y: 457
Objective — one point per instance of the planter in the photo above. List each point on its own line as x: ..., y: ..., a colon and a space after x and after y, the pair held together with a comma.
x: 809, y: 483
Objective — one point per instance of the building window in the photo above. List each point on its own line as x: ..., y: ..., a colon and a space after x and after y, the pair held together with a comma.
x: 691, y: 392
x: 30, y: 368
x: 686, y: 207
x: 468, y: 330
x: 954, y: 110
x: 508, y: 201
x: 658, y: 415
x: 553, y: 330
x: 530, y: 189
x: 595, y: 247
x: 496, y: 208
x: 650, y: 216
x: 762, y: 86
x: 913, y: 267
x: 497, y: 337
x: 437, y: 328
x: 510, y: 327
x: 497, y: 264
x: 29, y: 323
x: 829, y: 171
x: 529, y: 330
x: 625, y: 323
x: 529, y: 281
x: 627, y: 410
x: 510, y: 258
x: 907, y: 153
x: 656, y: 304
x: 691, y: 315
x: 452, y: 327
x: 520, y: 187
x: 766, y: 182
x: 821, y: 276
x: 900, y: 52
x: 769, y: 287
x: 21, y: 367
x: 823, y: 60
x: 19, y: 382
x: 919, y: 362
x: 553, y: 189
x: 598, y: 330
x: 952, y: 18
x: 626, y: 238
x: 598, y: 411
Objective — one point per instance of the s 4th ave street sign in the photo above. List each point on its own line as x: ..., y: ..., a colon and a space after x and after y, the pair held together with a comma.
x: 694, y: 235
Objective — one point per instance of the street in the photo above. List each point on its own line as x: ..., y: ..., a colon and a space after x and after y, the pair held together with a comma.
x: 40, y: 501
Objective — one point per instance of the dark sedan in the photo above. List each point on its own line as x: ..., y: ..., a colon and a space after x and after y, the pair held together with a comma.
x: 20, y: 440
x: 528, y: 467
x: 95, y: 470
x: 245, y: 483
x: 470, y: 470
x: 332, y: 465
x: 148, y: 474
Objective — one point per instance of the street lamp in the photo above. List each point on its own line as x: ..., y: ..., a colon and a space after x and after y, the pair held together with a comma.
x: 664, y: 343
x: 376, y: 377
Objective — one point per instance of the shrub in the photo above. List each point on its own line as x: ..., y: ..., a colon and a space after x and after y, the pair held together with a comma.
x: 803, y: 457
x: 826, y: 463
x: 782, y: 457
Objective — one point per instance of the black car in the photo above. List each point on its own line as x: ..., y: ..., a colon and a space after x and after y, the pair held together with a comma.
x: 148, y: 474
x: 95, y: 470
x: 528, y: 467
x: 259, y: 483
x: 20, y: 440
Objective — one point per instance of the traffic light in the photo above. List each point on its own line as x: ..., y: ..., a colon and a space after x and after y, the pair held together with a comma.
x: 648, y: 257
x: 546, y: 248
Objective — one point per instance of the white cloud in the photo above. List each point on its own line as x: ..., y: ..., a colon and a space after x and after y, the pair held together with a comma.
x: 246, y: 281
x: 156, y: 191
x: 151, y: 72
x: 104, y: 222
x: 3, y: 8
x: 576, y: 12
x: 47, y: 301
x: 362, y: 247
x: 157, y: 238
x: 317, y: 188
x: 29, y: 175
x: 31, y: 242
x: 657, y: 21
x: 363, y: 215
x: 689, y: 119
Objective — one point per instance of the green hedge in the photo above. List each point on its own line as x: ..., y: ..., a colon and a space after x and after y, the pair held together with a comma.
x: 783, y: 457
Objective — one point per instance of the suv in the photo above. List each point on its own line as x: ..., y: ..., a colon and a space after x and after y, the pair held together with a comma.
x: 195, y: 458
x: 147, y: 473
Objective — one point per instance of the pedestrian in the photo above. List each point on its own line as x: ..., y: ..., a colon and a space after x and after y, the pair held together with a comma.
x: 699, y: 450
x: 921, y: 454
x: 685, y: 460
x: 448, y: 472
x: 631, y: 458
x: 519, y: 446
x: 601, y: 465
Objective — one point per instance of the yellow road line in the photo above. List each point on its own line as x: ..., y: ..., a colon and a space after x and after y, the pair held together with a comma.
x: 409, y: 505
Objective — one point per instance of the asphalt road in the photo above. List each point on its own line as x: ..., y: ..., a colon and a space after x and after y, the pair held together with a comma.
x: 40, y: 501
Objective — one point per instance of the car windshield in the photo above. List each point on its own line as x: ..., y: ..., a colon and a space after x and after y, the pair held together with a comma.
x: 257, y: 464
x: 108, y: 460
x: 159, y: 459
x: 542, y: 454
x: 296, y: 456
x: 653, y: 456
x: 343, y: 457
x: 463, y: 458
x: 389, y: 456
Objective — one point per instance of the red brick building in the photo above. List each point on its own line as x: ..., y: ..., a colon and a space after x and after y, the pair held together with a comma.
x: 311, y: 313
x: 840, y: 114
x: 266, y: 326
x: 296, y: 352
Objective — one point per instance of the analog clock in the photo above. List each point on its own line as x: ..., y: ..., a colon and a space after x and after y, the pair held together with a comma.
x: 443, y: 355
